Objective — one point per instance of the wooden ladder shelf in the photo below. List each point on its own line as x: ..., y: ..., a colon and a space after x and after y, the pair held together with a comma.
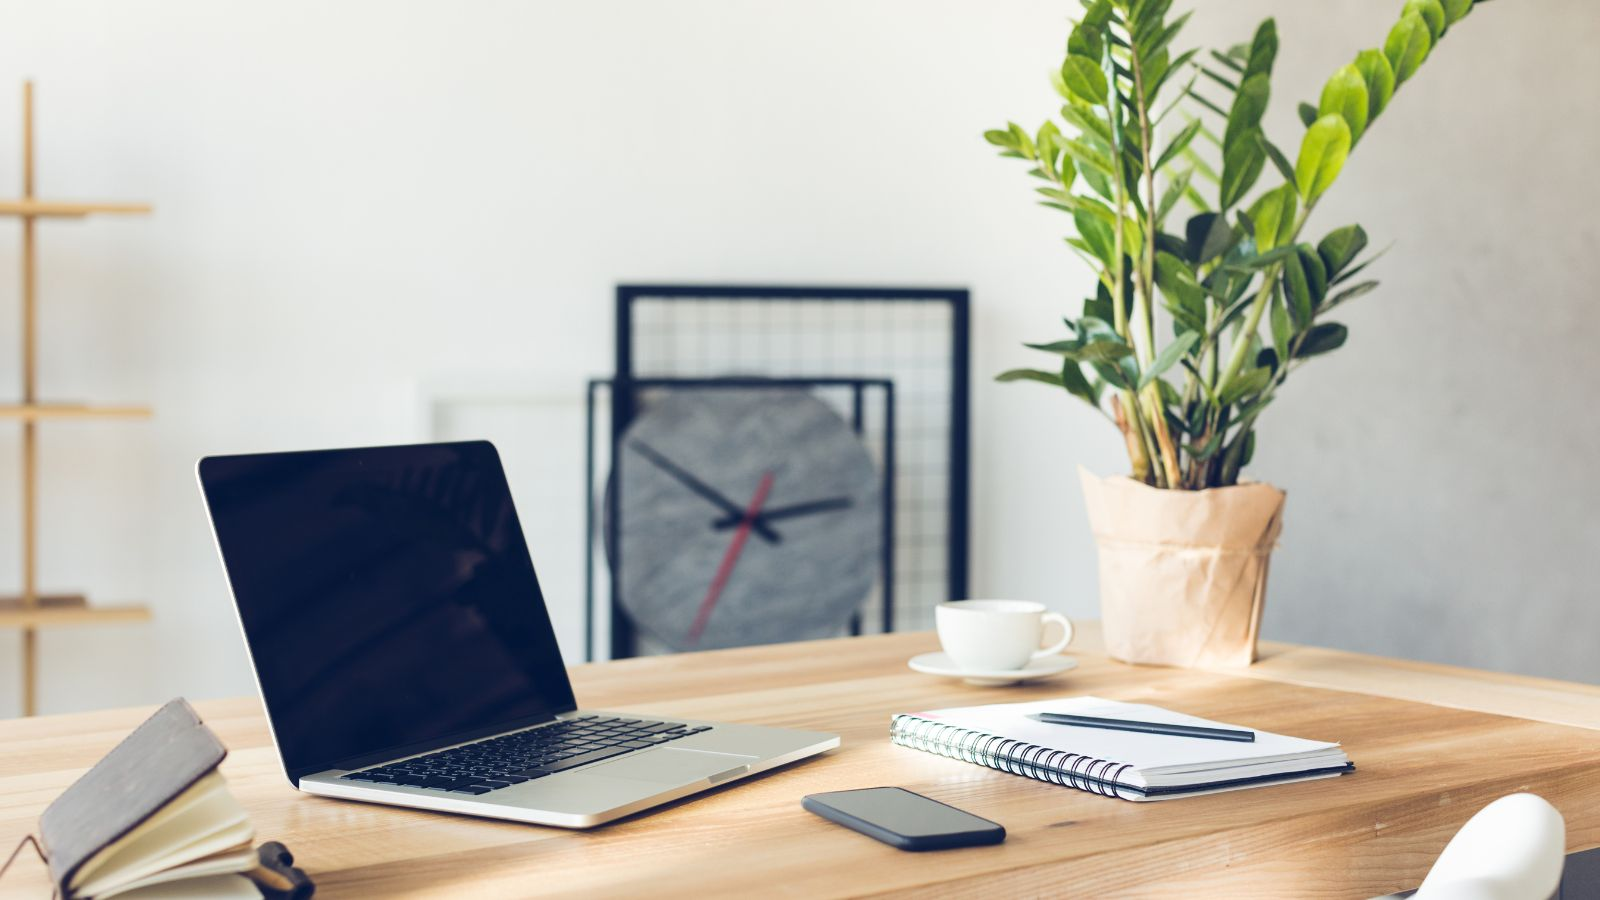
x: 32, y: 609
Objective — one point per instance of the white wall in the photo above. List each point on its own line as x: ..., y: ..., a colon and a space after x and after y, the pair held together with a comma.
x: 357, y: 200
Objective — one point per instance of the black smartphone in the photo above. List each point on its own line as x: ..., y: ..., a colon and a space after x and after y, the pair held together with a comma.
x: 904, y: 819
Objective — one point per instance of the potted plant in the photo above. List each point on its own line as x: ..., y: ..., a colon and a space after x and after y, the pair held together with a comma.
x: 1209, y: 293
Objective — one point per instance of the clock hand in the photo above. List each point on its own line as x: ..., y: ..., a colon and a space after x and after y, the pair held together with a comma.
x: 729, y: 558
x: 788, y: 512
x: 700, y: 487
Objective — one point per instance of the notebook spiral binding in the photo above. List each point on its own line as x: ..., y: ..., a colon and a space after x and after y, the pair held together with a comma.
x: 1085, y: 773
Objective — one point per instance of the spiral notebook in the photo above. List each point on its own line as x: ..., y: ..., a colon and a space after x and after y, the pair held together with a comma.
x: 1122, y: 764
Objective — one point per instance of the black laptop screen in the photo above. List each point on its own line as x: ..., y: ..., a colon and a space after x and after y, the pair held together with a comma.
x: 387, y: 597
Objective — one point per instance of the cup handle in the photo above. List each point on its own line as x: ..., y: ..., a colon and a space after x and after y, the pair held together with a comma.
x: 1066, y: 636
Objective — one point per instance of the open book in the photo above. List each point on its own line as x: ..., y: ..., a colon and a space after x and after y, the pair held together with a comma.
x: 1123, y: 764
x: 153, y: 818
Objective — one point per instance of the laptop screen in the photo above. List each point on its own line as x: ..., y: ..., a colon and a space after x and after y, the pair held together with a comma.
x: 387, y: 598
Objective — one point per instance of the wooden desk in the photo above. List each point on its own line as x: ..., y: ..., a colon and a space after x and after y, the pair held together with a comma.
x: 1432, y: 744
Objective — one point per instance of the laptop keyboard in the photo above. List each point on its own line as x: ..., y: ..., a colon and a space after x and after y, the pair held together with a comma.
x: 524, y: 755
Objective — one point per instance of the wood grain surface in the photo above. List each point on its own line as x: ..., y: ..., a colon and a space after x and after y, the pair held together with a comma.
x: 1423, y: 768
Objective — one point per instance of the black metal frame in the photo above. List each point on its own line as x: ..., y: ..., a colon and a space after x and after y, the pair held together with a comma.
x: 959, y: 301
x: 622, y: 637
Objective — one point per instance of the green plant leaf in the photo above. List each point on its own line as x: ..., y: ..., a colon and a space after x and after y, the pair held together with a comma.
x: 1456, y: 10
x: 1379, y: 78
x: 1132, y: 237
x: 1097, y: 234
x: 1001, y: 137
x: 1154, y: 82
x: 1248, y: 107
x: 1349, y: 293
x: 1308, y: 113
x: 1077, y: 385
x: 1168, y: 357
x: 1064, y: 347
x: 1220, y: 79
x: 1350, y: 273
x: 1407, y: 46
x: 1432, y: 13
x: 1241, y: 166
x: 1157, y: 41
x: 1176, y: 188
x: 1088, y: 156
x: 1117, y: 374
x: 1186, y: 300
x: 1273, y: 215
x: 1322, y: 338
x: 1046, y: 141
x: 1282, y: 330
x: 1200, y: 99
x: 1345, y: 95
x: 1316, y: 273
x: 1098, y: 307
x: 1024, y: 141
x: 1098, y: 182
x: 1341, y: 247
x: 1179, y: 143
x: 1299, y: 295
x: 1084, y: 79
x: 1279, y: 161
x: 1088, y: 37
x: 1230, y: 62
x: 1095, y: 350
x: 1208, y: 236
x: 1250, y: 264
x: 1072, y: 203
x: 1088, y: 122
x: 1322, y: 154
x: 1268, y: 359
x: 1245, y: 384
x: 1049, y: 378
x: 1263, y: 49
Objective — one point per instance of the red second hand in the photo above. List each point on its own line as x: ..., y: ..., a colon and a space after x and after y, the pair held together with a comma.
x: 720, y: 580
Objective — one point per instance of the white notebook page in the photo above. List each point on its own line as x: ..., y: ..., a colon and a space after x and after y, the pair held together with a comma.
x: 1149, y: 754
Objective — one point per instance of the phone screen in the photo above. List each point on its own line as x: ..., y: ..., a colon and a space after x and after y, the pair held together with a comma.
x: 903, y: 812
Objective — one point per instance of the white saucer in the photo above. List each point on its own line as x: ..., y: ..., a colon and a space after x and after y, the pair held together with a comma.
x: 940, y: 663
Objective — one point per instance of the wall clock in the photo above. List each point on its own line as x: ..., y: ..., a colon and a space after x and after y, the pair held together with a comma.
x: 742, y: 516
x: 914, y: 337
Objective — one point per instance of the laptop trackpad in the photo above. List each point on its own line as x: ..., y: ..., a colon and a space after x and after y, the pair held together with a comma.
x: 671, y: 766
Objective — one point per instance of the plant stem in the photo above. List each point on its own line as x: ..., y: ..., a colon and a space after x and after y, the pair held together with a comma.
x: 1142, y: 468
x: 1269, y: 284
x: 1148, y: 266
x: 1155, y: 470
x: 1235, y: 452
x: 1144, y: 298
x: 1241, y: 344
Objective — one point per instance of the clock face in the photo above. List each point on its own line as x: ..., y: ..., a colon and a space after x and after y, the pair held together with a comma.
x: 744, y: 517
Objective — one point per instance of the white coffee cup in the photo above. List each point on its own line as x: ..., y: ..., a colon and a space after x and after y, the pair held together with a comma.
x: 997, y: 635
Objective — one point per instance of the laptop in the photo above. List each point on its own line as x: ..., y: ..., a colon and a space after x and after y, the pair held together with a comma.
x: 405, y: 655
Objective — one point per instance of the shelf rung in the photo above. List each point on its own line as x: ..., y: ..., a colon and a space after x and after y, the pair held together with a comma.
x: 37, y: 411
x: 45, y: 601
x: 66, y: 209
x: 47, y: 616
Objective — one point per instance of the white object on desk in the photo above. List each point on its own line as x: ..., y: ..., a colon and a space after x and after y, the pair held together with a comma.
x: 1130, y: 765
x: 940, y: 663
x: 1511, y: 850
x: 997, y: 634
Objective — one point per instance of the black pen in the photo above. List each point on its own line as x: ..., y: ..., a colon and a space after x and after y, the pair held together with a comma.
x: 1194, y: 731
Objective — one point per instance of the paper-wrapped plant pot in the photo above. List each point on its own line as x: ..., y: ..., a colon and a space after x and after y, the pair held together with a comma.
x: 1183, y: 574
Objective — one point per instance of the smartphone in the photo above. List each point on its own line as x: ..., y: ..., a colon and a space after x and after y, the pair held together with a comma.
x: 904, y: 819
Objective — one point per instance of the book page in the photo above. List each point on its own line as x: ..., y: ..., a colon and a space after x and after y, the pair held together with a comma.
x: 202, y: 821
